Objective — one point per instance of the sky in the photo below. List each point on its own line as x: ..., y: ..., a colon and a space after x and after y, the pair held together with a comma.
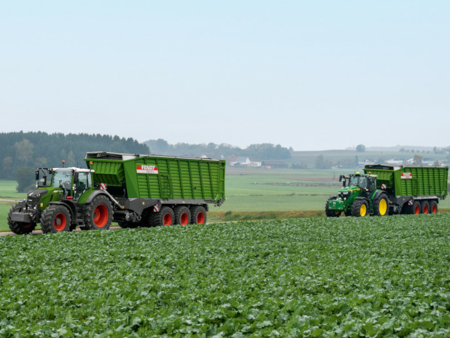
x: 311, y: 75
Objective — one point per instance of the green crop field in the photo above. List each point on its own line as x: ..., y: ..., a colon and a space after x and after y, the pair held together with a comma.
x: 347, y: 277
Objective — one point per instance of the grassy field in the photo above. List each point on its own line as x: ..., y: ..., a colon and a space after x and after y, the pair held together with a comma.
x: 372, y: 277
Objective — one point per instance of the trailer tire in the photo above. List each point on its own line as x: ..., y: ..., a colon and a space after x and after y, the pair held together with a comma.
x: 360, y: 208
x: 164, y: 217
x: 19, y: 228
x: 98, y: 214
x: 55, y: 218
x: 198, y: 215
x: 381, y: 205
x: 182, y: 215
x: 413, y: 209
x: 433, y: 207
x: 328, y: 211
x: 425, y: 207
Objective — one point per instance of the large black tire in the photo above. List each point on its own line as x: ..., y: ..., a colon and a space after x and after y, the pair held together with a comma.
x: 413, y: 209
x: 98, y: 214
x: 433, y: 207
x: 381, y: 205
x: 360, y: 208
x: 425, y: 207
x: 165, y: 217
x: 182, y: 215
x: 198, y: 215
x: 19, y: 228
x: 55, y: 218
x: 328, y: 211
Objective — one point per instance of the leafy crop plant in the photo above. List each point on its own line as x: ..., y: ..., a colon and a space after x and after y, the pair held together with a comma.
x: 374, y: 277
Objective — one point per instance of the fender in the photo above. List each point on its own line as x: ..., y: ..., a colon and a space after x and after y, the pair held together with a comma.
x: 377, y: 193
x: 94, y: 194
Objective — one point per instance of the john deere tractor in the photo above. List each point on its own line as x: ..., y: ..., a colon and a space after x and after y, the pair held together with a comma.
x: 358, y: 197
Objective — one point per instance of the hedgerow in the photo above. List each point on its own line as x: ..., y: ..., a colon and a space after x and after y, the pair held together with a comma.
x: 348, y: 277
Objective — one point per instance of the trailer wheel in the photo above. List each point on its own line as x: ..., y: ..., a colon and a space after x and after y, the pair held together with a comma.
x: 328, y: 211
x: 198, y: 215
x: 164, y: 217
x: 360, y: 208
x: 433, y: 207
x: 182, y: 215
x: 19, y: 228
x: 425, y: 207
x: 381, y: 205
x: 413, y: 209
x: 56, y: 218
x: 98, y: 214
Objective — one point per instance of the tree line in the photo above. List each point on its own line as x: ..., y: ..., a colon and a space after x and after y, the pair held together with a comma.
x: 263, y: 151
x: 40, y: 149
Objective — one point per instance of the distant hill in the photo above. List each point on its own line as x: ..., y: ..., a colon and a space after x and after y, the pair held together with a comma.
x: 39, y: 149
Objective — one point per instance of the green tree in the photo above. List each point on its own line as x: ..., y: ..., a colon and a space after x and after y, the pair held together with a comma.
x: 24, y: 151
x: 360, y: 148
x: 7, y: 166
x: 25, y: 178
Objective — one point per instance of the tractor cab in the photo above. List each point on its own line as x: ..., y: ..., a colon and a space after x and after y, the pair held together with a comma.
x: 366, y: 184
x: 71, y: 183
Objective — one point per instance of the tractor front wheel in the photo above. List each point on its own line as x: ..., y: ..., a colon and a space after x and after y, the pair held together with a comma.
x: 381, y: 205
x: 360, y: 208
x: 98, y: 214
x: 19, y: 228
x: 56, y: 218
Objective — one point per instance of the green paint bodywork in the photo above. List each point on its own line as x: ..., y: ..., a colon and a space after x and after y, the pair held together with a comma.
x: 171, y: 177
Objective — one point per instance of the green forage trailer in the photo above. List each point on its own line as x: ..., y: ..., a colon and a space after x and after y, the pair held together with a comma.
x: 133, y: 190
x: 387, y: 190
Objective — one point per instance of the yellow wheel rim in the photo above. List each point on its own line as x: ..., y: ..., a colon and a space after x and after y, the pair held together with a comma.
x: 382, y: 207
x: 336, y: 212
x: 363, y: 210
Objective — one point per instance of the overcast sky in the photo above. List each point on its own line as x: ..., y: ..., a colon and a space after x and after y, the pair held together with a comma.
x: 308, y: 74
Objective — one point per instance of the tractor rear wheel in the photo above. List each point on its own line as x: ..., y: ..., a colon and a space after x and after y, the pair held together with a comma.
x: 360, y: 208
x: 328, y: 211
x: 198, y: 215
x: 19, y: 228
x: 381, y: 205
x: 433, y: 207
x: 98, y: 214
x: 182, y: 215
x: 56, y: 218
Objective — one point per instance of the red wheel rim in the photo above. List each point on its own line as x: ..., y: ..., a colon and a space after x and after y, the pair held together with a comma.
x: 425, y: 209
x: 200, y: 218
x: 167, y: 219
x: 434, y: 209
x: 26, y: 226
x: 416, y: 209
x: 101, y: 215
x: 60, y: 222
x: 184, y: 219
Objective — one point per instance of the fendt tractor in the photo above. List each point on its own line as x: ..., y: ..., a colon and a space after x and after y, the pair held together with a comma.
x: 388, y: 190
x: 133, y: 190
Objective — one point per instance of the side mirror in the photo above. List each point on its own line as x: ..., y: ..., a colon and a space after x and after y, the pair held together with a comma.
x: 37, y: 175
x: 75, y: 178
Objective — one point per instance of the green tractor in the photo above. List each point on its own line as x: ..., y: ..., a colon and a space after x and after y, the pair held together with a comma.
x: 358, y: 197
x: 64, y: 198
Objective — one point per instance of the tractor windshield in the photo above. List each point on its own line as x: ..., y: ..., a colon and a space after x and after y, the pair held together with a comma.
x: 62, y: 178
x: 359, y: 181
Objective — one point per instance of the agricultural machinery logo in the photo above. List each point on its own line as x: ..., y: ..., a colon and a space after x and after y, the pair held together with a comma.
x: 406, y: 176
x: 146, y: 169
